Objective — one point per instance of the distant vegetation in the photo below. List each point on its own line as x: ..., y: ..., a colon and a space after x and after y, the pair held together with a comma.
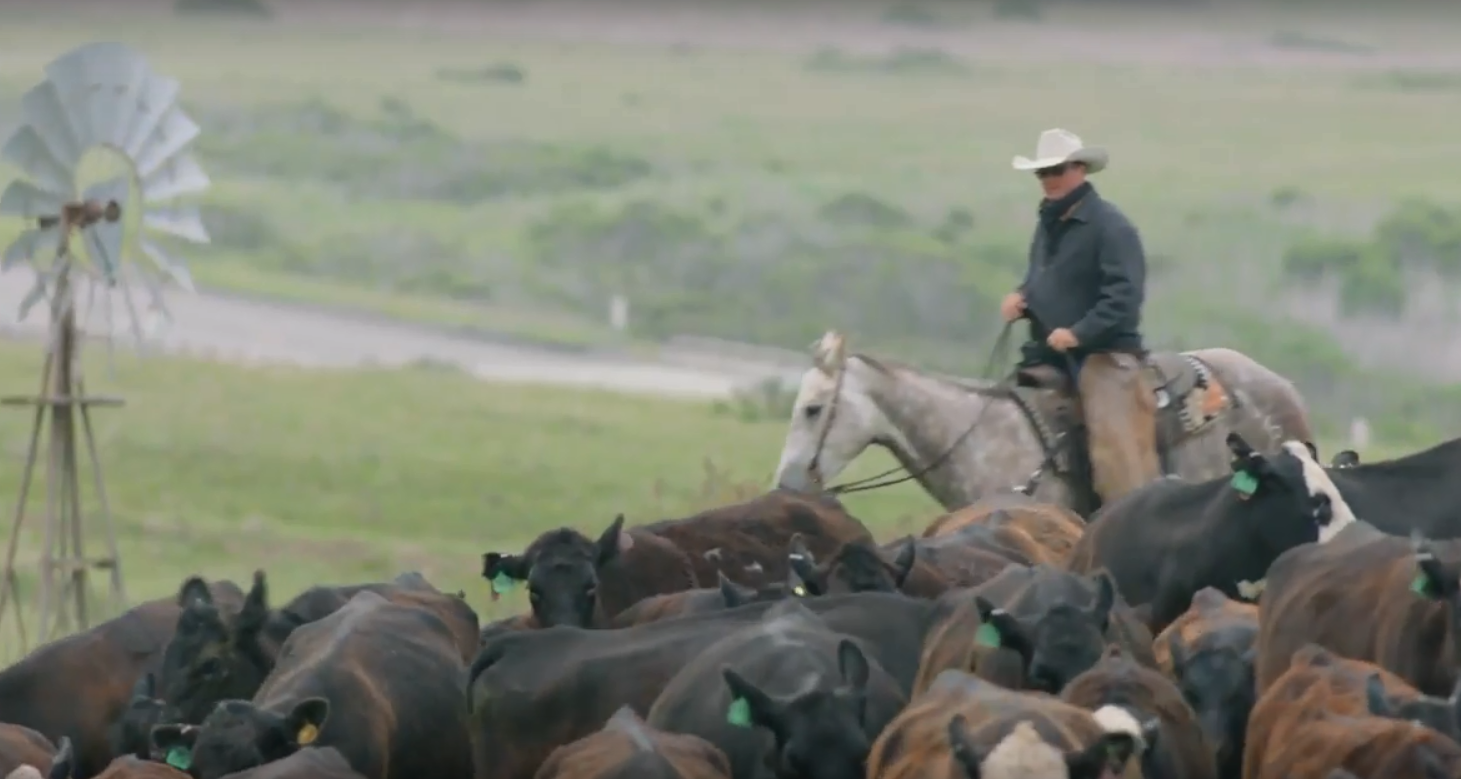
x: 769, y: 197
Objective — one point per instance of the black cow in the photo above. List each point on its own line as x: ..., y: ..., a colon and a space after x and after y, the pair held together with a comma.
x: 307, y: 763
x: 1165, y: 541
x: 575, y: 581
x: 378, y: 681
x: 788, y: 692
x: 1062, y: 622
x: 78, y: 686
x: 527, y: 688
x: 218, y: 656
x: 1416, y: 493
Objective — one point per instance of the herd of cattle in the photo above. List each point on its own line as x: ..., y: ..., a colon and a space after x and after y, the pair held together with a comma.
x: 775, y: 639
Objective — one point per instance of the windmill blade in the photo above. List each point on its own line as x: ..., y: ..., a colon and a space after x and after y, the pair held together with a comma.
x: 156, y: 97
x: 28, y: 151
x: 176, y: 270
x: 43, y: 112
x: 178, y: 176
x: 28, y: 245
x: 171, y: 136
x: 29, y: 202
x: 93, y: 82
x: 184, y: 222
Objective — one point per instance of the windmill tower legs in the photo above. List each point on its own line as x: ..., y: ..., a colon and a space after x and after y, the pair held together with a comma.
x: 65, y: 569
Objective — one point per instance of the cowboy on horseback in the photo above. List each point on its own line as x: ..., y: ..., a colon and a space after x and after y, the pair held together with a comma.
x: 1082, y: 295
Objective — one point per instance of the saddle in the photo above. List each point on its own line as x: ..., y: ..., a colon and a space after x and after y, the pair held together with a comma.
x: 1188, y: 398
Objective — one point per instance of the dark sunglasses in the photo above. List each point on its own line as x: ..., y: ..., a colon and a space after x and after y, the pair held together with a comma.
x: 1053, y: 171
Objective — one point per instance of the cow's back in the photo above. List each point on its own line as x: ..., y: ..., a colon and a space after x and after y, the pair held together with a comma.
x: 386, y: 669
x: 1321, y: 593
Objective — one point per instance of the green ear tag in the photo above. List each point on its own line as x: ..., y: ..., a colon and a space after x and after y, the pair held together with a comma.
x: 739, y: 713
x: 180, y: 758
x: 1245, y: 483
x: 502, y: 584
x: 987, y: 635
x: 1420, y: 583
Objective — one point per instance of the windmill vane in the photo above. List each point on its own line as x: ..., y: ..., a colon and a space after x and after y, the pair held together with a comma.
x: 103, y: 95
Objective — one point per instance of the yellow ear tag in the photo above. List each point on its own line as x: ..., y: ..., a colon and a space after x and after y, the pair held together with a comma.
x: 307, y: 734
x: 799, y: 591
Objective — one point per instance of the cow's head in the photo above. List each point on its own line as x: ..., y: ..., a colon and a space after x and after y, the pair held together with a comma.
x: 1060, y: 641
x: 856, y: 567
x: 561, y: 570
x: 237, y: 736
x: 819, y: 734
x: 214, y: 656
x: 1288, y: 494
x: 1217, y: 681
x: 131, y: 734
x: 1442, y: 715
x: 1024, y: 753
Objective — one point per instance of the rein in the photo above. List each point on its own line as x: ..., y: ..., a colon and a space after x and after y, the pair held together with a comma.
x: 997, y: 355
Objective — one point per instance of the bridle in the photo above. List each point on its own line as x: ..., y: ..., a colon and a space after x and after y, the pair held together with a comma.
x: 997, y: 356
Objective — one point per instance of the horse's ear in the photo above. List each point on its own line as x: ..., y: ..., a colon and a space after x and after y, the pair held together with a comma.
x: 829, y: 354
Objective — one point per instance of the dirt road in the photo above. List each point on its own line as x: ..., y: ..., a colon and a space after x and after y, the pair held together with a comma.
x: 252, y: 332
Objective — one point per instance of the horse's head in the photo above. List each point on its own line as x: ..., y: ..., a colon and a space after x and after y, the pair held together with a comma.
x: 833, y: 420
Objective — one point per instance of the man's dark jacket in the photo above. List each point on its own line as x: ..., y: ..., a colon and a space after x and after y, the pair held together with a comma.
x: 1087, y: 273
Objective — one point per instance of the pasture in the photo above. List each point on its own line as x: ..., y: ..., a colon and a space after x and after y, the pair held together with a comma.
x: 744, y: 173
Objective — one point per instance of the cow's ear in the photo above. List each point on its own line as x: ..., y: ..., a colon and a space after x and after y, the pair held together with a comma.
x: 751, y: 707
x: 63, y: 762
x: 613, y: 541
x: 306, y: 719
x: 733, y: 594
x: 903, y: 563
x: 1248, y: 473
x: 1375, y: 698
x: 1433, y: 579
x: 255, y: 612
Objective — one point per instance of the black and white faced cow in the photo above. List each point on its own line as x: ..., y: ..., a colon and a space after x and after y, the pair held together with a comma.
x: 1167, y: 540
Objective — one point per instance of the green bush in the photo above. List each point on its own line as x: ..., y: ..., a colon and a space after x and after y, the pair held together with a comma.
x: 1314, y: 259
x: 1373, y: 286
x: 1422, y: 234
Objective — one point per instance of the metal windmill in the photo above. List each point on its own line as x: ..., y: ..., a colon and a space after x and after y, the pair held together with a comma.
x: 99, y: 105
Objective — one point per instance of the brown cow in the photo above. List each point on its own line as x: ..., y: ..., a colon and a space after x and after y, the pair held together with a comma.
x: 575, y: 581
x: 966, y: 727
x: 1209, y: 651
x: 628, y: 748
x: 1054, y: 530
x: 1178, y: 750
x: 1368, y: 596
x: 727, y: 595
x: 1213, y: 619
x: 79, y: 685
x: 748, y: 540
x: 1319, y: 716
x: 23, y: 747
x: 216, y: 655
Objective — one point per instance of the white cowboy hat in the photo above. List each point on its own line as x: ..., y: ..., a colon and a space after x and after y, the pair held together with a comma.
x: 1057, y: 147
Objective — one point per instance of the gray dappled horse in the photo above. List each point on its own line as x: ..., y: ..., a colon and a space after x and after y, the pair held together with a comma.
x: 965, y: 439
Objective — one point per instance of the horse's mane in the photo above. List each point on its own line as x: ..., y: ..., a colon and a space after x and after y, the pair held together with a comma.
x: 987, y: 387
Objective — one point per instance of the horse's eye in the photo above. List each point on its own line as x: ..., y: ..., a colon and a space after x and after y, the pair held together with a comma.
x: 813, y: 410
